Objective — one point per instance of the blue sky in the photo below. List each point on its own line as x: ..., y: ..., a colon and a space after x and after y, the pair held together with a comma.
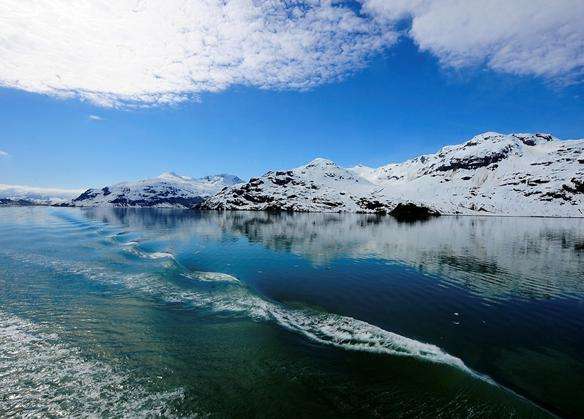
x: 394, y: 104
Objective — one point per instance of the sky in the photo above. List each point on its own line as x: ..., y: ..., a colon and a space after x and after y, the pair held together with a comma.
x: 96, y: 92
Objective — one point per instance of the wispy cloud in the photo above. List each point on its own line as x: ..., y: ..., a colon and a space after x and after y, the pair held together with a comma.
x: 3, y: 153
x: 95, y: 118
x: 527, y: 37
x: 108, y: 52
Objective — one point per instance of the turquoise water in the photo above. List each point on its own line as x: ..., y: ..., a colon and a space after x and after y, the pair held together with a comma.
x: 178, y: 313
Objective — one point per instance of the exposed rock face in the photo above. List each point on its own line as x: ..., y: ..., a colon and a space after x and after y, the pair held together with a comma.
x: 516, y: 174
x: 167, y: 190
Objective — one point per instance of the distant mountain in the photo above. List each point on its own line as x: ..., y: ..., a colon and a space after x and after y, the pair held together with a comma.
x: 19, y: 195
x: 516, y: 174
x: 167, y: 190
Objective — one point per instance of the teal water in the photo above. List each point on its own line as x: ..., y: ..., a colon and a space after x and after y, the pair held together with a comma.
x: 147, y: 313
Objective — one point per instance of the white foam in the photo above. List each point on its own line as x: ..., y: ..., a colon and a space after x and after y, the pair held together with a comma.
x: 159, y: 255
x: 130, y: 243
x: 41, y: 376
x: 131, y: 248
x: 212, y: 277
x: 349, y: 333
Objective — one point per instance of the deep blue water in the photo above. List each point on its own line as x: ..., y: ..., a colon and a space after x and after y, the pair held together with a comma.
x: 180, y: 313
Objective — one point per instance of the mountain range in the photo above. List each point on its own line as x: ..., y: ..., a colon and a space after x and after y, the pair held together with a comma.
x: 492, y: 173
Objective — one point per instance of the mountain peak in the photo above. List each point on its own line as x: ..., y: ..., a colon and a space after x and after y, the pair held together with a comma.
x: 321, y: 162
x: 486, y: 136
x: 174, y: 176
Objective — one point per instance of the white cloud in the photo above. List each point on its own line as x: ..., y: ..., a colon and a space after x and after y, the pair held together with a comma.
x: 526, y: 37
x: 128, y: 52
x: 148, y: 52
x: 95, y: 118
x: 3, y: 153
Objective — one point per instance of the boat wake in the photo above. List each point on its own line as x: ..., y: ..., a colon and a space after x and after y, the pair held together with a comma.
x: 325, y: 328
x: 42, y: 377
x: 222, y: 292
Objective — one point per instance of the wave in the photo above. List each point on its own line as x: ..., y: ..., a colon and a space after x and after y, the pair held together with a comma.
x: 326, y: 328
x: 131, y: 247
x: 159, y: 255
x: 40, y: 376
x: 211, y: 276
x: 231, y: 295
x: 130, y: 243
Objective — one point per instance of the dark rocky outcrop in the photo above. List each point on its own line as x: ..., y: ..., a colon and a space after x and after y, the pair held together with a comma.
x: 412, y: 212
x: 373, y: 205
x: 186, y: 202
x: 474, y: 162
x: 88, y: 194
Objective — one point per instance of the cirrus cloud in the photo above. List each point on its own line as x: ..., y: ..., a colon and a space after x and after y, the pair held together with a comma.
x: 150, y: 52
x: 3, y: 153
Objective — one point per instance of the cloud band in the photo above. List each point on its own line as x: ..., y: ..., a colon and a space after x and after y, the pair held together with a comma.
x: 148, y: 52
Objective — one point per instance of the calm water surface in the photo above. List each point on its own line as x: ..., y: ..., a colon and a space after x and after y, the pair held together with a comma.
x: 179, y: 313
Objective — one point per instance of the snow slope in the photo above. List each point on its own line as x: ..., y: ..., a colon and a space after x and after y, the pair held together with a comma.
x: 516, y: 174
x: 167, y: 190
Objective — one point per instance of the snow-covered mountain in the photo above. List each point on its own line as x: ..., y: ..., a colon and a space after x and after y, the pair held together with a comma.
x: 516, y: 174
x: 167, y: 190
x: 319, y: 186
x: 29, y: 195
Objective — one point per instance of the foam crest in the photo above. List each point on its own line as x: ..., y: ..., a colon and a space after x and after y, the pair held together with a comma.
x: 159, y: 255
x: 40, y: 376
x: 352, y: 334
x: 130, y: 243
x: 131, y: 247
x: 212, y: 277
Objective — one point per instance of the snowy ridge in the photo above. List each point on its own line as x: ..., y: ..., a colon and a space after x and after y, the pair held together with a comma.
x: 515, y: 174
x: 167, y: 190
